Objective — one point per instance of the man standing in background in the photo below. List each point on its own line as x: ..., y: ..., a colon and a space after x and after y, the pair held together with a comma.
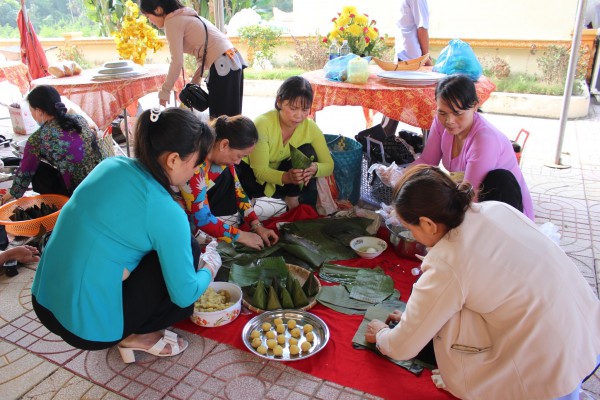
x: 412, y: 40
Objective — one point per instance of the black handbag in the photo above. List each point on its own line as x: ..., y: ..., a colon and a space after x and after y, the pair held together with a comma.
x: 192, y: 95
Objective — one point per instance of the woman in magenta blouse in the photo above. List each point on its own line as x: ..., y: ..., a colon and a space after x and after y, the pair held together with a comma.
x: 472, y: 149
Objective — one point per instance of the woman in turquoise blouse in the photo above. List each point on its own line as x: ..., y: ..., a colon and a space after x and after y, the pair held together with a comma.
x: 119, y: 266
x: 268, y: 170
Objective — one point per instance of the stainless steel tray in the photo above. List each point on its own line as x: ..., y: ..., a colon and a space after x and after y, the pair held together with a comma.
x: 320, y: 331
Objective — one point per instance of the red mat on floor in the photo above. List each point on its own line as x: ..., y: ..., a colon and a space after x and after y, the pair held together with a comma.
x: 339, y: 362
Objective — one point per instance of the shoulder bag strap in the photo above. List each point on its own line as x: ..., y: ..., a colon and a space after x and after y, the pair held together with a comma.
x: 205, y: 48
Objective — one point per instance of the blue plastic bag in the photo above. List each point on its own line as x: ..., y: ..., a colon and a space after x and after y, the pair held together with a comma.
x: 337, y: 69
x: 458, y: 58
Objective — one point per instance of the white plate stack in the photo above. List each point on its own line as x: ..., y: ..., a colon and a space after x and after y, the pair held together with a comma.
x: 121, y: 69
x: 410, y: 78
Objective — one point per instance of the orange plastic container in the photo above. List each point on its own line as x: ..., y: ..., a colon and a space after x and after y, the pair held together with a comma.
x: 31, y: 227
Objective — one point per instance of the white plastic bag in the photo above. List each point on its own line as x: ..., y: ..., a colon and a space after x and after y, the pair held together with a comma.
x: 550, y: 230
x: 389, y: 174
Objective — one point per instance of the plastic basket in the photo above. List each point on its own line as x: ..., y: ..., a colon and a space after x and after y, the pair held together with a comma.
x: 372, y: 190
x: 31, y: 227
x: 347, y: 157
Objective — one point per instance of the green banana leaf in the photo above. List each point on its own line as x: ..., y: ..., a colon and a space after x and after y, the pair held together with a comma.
x: 309, y: 257
x: 371, y: 287
x: 319, y: 237
x: 342, y: 274
x: 380, y: 312
x: 338, y: 296
x: 265, y: 270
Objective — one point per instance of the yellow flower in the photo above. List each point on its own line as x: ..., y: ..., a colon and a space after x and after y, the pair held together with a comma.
x: 349, y: 10
x: 360, y: 32
x: 136, y: 35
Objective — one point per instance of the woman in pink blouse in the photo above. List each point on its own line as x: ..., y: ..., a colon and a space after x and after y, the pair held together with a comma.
x: 215, y: 189
x: 472, y: 149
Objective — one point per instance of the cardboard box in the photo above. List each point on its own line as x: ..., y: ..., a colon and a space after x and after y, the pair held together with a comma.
x: 22, y: 121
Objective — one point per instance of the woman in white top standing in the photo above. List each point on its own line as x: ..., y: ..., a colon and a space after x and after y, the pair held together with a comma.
x: 510, y: 315
x: 186, y: 33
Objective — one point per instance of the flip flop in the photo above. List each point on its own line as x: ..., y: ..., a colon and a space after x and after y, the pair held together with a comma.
x: 169, y: 338
x: 4, y: 141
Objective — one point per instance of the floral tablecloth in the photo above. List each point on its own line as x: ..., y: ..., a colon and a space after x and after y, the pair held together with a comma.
x: 16, y: 73
x: 103, y: 101
x: 414, y: 106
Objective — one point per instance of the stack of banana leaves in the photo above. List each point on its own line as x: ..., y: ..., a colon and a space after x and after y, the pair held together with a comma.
x: 306, y: 243
x: 380, y: 312
x: 270, y: 285
x: 359, y: 289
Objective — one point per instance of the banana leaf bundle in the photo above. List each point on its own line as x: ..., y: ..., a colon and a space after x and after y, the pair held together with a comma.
x: 310, y: 287
x: 266, y: 297
x: 299, y: 160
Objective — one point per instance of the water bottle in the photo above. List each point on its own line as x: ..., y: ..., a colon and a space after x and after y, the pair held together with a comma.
x: 345, y: 49
x: 334, y: 51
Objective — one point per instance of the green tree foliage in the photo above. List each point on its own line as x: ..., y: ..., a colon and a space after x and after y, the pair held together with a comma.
x: 106, y: 13
x: 8, y: 12
x: 262, y: 39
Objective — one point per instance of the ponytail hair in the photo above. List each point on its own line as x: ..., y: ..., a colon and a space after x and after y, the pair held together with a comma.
x: 173, y: 130
x: 240, y: 131
x: 426, y: 191
x: 47, y: 99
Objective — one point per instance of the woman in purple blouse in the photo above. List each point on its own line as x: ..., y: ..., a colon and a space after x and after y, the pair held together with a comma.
x: 472, y: 149
x: 60, y: 154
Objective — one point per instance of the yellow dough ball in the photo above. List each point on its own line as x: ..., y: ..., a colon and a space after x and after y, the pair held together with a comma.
x: 291, y: 324
x: 305, y: 346
x: 308, y: 328
x: 278, y: 351
x: 255, y: 334
x: 261, y: 349
x: 270, y: 335
x: 278, y: 321
x: 310, y: 336
x: 293, y: 341
x: 281, y: 339
x: 280, y: 328
x: 296, y: 332
x: 256, y: 342
x: 266, y: 326
x: 294, y: 350
x: 271, y: 343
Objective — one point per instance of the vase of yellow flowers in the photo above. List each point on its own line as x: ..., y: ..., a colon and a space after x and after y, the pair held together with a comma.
x: 136, y: 36
x: 360, y: 32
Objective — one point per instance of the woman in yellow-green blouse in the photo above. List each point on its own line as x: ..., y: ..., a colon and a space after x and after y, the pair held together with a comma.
x: 268, y: 169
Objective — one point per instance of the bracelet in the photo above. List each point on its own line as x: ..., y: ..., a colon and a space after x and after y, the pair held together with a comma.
x: 254, y: 227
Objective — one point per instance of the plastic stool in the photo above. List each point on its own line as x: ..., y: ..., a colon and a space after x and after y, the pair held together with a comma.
x: 519, y: 146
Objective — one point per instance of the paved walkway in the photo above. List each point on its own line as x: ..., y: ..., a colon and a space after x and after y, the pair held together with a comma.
x: 35, y: 364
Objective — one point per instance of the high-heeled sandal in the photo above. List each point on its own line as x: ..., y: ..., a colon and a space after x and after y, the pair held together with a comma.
x: 169, y: 338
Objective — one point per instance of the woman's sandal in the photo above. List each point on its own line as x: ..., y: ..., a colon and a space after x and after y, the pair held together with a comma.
x: 169, y: 338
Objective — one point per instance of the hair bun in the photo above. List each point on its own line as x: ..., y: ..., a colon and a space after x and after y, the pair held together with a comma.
x: 60, y: 107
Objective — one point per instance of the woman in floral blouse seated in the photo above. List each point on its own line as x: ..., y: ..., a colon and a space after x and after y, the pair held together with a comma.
x: 215, y: 189
x: 60, y: 154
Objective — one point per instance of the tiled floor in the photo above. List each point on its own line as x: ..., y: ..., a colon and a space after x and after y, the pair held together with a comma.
x: 35, y: 364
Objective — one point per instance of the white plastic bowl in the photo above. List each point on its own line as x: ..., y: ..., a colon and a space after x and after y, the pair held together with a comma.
x: 222, y: 317
x: 368, y: 246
